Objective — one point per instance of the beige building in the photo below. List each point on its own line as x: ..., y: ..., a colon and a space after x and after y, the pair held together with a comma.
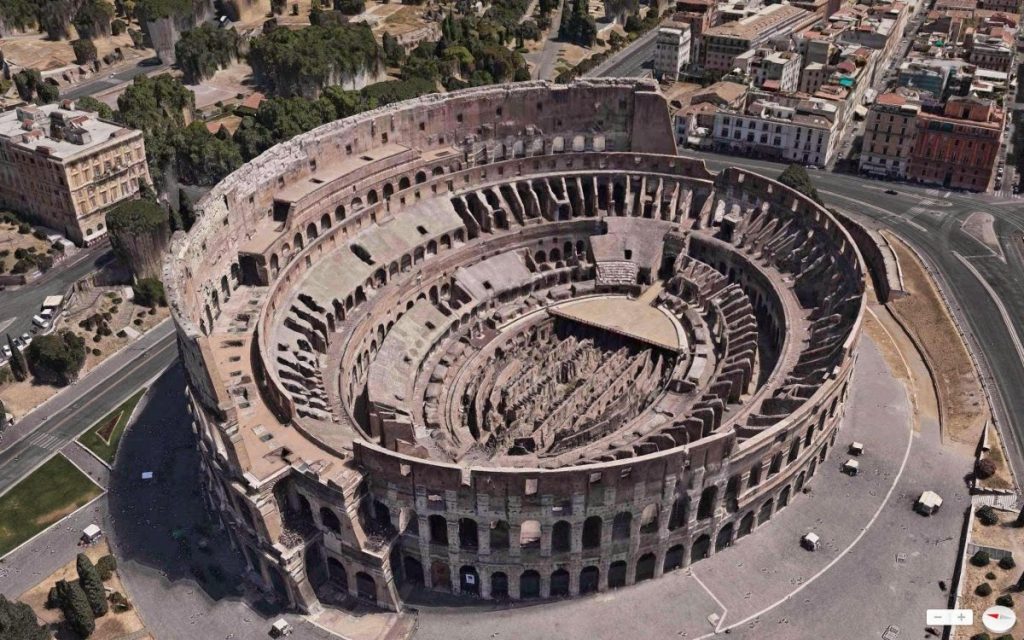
x: 889, y: 135
x: 65, y: 168
x: 723, y: 43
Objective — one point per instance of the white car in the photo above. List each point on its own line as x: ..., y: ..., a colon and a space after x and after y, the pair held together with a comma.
x: 6, y: 349
x: 26, y: 339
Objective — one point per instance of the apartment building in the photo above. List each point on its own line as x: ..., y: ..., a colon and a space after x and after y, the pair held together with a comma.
x: 802, y: 130
x: 890, y: 133
x: 721, y: 44
x: 958, y: 147
x: 671, y: 51
x: 65, y: 168
x: 771, y: 70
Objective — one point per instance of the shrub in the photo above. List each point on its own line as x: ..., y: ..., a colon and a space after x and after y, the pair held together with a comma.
x: 1007, y: 563
x: 149, y: 292
x: 38, y: 235
x: 92, y: 585
x: 987, y: 516
x: 985, y: 468
x: 53, y: 599
x: 990, y: 576
x: 980, y: 558
x: 981, y: 636
x: 24, y: 228
x: 984, y: 589
x: 106, y: 565
x: 119, y: 602
x: 97, y: 352
x: 75, y: 606
x: 1005, y: 600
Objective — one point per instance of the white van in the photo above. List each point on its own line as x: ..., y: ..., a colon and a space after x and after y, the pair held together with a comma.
x: 40, y: 322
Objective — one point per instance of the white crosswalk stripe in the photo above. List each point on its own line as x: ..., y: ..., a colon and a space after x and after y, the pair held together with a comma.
x: 44, y: 441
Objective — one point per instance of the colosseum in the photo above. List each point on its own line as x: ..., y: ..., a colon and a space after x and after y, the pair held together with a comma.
x: 505, y: 343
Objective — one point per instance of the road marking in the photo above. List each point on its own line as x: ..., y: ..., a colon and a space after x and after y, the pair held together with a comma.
x: 999, y: 304
x: 725, y: 609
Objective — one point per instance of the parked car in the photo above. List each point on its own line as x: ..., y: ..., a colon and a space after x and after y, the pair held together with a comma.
x: 892, y: 192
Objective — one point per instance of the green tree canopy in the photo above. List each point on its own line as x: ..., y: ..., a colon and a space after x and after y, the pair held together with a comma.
x: 18, y: 622
x: 19, y: 368
x: 56, y: 358
x: 156, y: 9
x: 203, y: 50
x: 156, y: 106
x: 93, y: 19
x: 75, y: 605
x: 795, y: 177
x: 136, y: 217
x: 149, y: 292
x: 89, y: 103
x: 202, y: 158
x: 85, y: 51
x: 92, y: 585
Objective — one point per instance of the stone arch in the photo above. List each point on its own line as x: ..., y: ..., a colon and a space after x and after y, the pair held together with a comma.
x: 799, y: 484
x: 438, y: 530
x: 674, y: 558
x: 440, y: 576
x: 357, y: 203
x: 337, y: 574
x: 371, y: 197
x: 339, y: 213
x: 421, y: 177
x: 783, y: 500
x: 316, y: 568
x: 645, y: 565
x: 559, y: 583
x: 746, y: 525
x: 592, y: 532
x: 590, y: 579
x: 330, y: 519
x: 649, y: 519
x: 724, y: 537
x: 437, y: 171
x: 403, y: 183
x: 794, y: 451
x: 413, y: 570
x: 579, y: 143
x: 557, y: 144
x: 499, y: 585
x: 561, y: 537
x: 680, y: 512
x: 274, y: 265
x: 617, y: 574
x: 706, y: 506
x: 325, y: 222
x: 499, y: 534
x: 529, y: 584
x: 701, y: 548
x: 389, y: 190
x: 468, y: 534
x: 299, y: 242
x: 366, y: 587
x: 764, y: 514
x: 469, y: 580
x: 529, y: 534
x: 621, y: 525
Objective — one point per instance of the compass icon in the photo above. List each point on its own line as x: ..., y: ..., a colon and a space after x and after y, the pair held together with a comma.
x: 998, y: 619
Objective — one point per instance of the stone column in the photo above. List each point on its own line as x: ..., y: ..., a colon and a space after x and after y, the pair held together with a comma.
x: 545, y: 540
x: 513, y: 585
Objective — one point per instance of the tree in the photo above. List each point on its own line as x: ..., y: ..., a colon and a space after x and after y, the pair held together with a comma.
x: 18, y: 622
x: 26, y: 81
x: 92, y: 585
x: 47, y: 93
x: 85, y: 51
x: 200, y: 52
x: 394, y: 53
x: 795, y: 177
x: 149, y: 10
x: 578, y: 25
x: 985, y: 468
x: 75, y: 605
x: 156, y: 106
x: 139, y: 231
x: 93, y: 19
x: 19, y: 368
x: 56, y: 358
x: 202, y: 158
x: 350, y: 7
x: 89, y: 103
x: 55, y: 17
x: 149, y: 292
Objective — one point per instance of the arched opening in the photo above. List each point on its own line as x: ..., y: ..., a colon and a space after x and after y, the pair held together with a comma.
x: 746, y: 525
x: 440, y: 576
x: 299, y: 243
x: 403, y: 183
x: 649, y: 519
x: 680, y: 512
x: 724, y: 537
x: 325, y: 222
x: 499, y: 534
x: 339, y: 213
x: 776, y: 465
x: 413, y: 570
x: 389, y: 190
x: 316, y: 569
x: 799, y: 484
x: 674, y: 558
x: 467, y: 534
x: 645, y: 567
x: 621, y: 525
x: 617, y: 574
x: 529, y: 534
x: 330, y: 520
x: 499, y: 585
x: 784, y: 497
x: 765, y: 513
x: 590, y: 579
x: 794, y: 451
x: 337, y: 574
x: 701, y: 548
x: 366, y: 587
x: 559, y: 583
x: 421, y: 177
x: 529, y: 584
x: 561, y: 536
x: 469, y: 580
x: 706, y: 506
x: 438, y: 530
x: 592, y: 532
x: 371, y: 197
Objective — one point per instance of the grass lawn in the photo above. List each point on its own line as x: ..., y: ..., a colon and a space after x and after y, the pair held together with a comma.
x: 104, y: 436
x: 45, y: 496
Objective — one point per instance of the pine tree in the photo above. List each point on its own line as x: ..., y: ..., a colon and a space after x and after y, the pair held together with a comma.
x: 92, y: 585
x: 75, y: 606
x: 18, y: 622
x: 18, y: 365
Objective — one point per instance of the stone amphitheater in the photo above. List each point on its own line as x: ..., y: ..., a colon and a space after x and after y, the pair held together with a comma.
x: 504, y: 343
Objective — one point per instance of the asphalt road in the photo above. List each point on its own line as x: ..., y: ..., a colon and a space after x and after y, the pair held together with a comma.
x: 18, y: 305
x: 987, y: 292
x: 629, y: 62
x: 111, y: 80
x: 41, y: 433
